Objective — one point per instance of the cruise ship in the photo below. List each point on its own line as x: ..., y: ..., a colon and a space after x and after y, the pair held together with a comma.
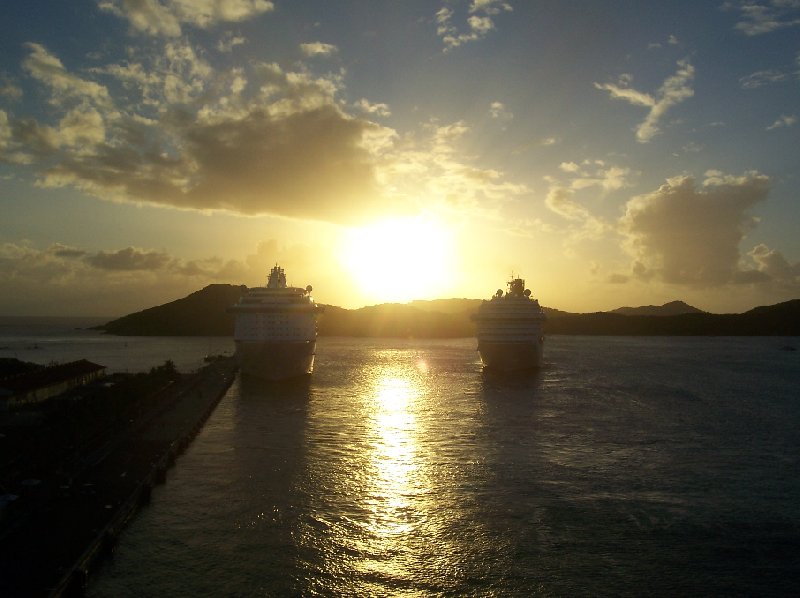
x: 509, y: 329
x: 276, y: 329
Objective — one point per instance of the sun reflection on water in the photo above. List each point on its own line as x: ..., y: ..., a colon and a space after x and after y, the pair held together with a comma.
x: 394, y: 457
x: 384, y: 462
x: 395, y: 480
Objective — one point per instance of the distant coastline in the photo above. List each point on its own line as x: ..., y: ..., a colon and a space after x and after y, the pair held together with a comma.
x: 60, y: 321
x: 203, y: 314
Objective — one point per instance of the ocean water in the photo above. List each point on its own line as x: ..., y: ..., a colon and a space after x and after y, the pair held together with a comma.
x: 46, y: 340
x: 625, y: 467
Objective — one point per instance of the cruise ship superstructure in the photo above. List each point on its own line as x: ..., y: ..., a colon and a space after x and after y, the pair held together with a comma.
x: 276, y: 329
x: 510, y: 329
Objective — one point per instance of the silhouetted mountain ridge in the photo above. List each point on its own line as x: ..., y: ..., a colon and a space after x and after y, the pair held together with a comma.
x: 200, y: 314
x: 782, y: 319
x: 203, y: 314
x: 673, y: 308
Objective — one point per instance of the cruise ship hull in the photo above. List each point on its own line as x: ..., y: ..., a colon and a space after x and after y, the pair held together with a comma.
x: 509, y: 356
x: 274, y: 361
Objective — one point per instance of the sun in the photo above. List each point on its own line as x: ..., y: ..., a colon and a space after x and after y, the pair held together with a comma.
x: 400, y: 259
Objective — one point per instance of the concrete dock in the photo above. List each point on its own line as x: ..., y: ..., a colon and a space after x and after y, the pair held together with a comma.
x: 49, y: 546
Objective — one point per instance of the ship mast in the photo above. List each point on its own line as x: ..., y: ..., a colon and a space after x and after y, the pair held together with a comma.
x: 277, y: 278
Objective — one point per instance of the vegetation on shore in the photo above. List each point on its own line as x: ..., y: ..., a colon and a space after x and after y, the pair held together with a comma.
x: 203, y: 314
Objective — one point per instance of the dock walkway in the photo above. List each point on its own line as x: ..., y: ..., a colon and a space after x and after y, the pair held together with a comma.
x: 51, y: 547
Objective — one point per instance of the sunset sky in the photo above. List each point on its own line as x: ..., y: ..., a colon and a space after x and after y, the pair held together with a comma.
x: 610, y: 153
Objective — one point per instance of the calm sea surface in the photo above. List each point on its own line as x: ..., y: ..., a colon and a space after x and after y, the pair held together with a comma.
x: 59, y: 340
x: 627, y: 466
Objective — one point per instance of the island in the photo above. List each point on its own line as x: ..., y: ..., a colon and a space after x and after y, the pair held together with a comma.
x: 202, y: 313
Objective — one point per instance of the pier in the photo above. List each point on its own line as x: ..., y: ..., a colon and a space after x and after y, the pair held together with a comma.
x: 53, y: 537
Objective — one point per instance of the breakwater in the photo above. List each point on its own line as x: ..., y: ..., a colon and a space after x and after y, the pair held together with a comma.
x: 55, y: 544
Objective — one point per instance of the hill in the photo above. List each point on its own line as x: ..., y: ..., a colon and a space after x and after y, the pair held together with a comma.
x: 464, y: 306
x: 673, y: 308
x: 446, y: 306
x: 393, y: 319
x: 782, y: 319
x: 200, y: 314
x: 203, y: 314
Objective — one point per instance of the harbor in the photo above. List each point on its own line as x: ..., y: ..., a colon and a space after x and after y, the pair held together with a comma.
x: 402, y: 465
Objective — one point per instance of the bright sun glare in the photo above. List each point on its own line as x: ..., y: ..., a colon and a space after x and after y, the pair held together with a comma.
x: 400, y: 259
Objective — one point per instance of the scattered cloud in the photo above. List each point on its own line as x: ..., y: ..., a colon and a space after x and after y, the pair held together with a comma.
x: 428, y: 168
x: 318, y: 49
x: 252, y: 140
x: 761, y: 78
x: 685, y: 234
x: 307, y: 164
x: 560, y: 201
x: 673, y: 91
x: 563, y: 201
x: 176, y: 75
x: 377, y: 109
x: 692, y: 147
x: 671, y: 41
x: 597, y: 173
x: 29, y: 276
x: 165, y: 17
x: 129, y: 258
x: 80, y: 127
x: 90, y: 282
x: 23, y: 268
x: 266, y: 141
x: 65, y: 251
x: 9, y: 90
x: 229, y: 41
x: 61, y: 264
x: 12, y: 150
x: 145, y: 16
x: 579, y: 183
x: 5, y: 133
x: 617, y: 278
x: 758, y: 17
x: 500, y: 112
x: 775, y: 266
x: 783, y: 121
x: 49, y: 70
x: 479, y: 22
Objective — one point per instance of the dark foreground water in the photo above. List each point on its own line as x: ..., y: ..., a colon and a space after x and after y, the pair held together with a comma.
x: 628, y: 466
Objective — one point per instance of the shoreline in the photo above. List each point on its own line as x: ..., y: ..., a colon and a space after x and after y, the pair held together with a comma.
x: 51, y: 542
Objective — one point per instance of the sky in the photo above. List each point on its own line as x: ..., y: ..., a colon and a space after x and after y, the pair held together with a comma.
x: 610, y: 153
